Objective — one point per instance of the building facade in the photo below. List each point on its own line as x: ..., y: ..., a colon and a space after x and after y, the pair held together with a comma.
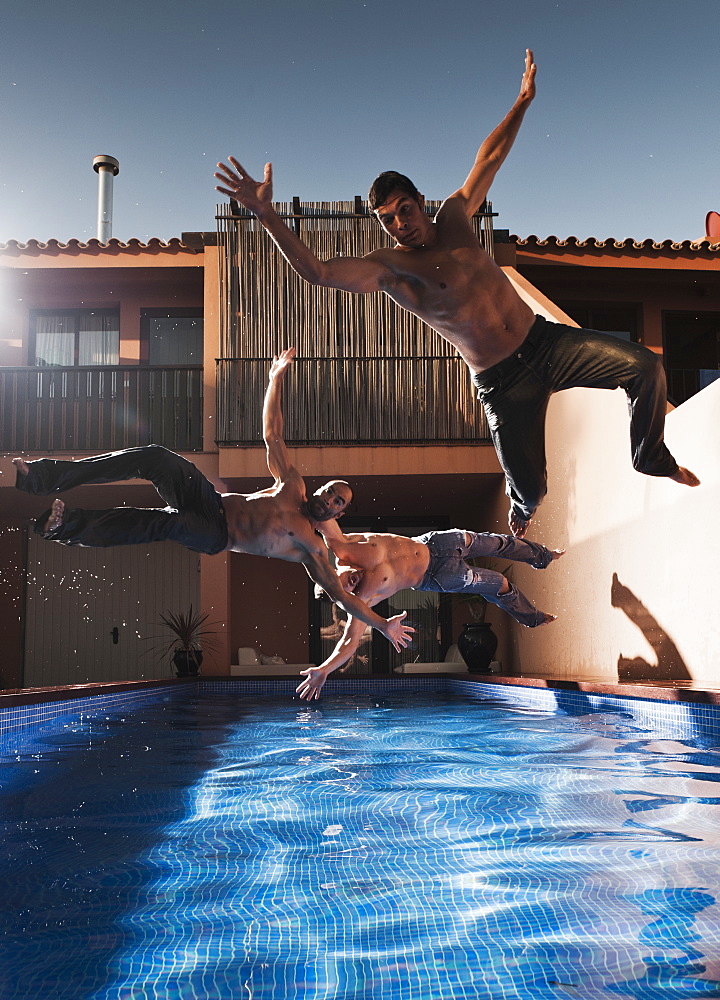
x: 107, y: 346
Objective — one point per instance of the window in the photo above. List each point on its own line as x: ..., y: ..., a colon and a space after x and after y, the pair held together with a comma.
x: 617, y: 319
x: 692, y: 352
x: 172, y: 336
x: 72, y: 338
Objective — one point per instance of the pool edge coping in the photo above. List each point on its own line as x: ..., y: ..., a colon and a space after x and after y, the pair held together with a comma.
x: 71, y: 692
x: 647, y: 692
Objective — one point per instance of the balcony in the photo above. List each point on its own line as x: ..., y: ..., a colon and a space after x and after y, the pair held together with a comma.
x: 99, y: 409
x: 354, y: 401
x: 388, y: 391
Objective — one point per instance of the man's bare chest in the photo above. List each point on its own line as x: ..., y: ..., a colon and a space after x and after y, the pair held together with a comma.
x: 270, y: 528
x: 441, y: 280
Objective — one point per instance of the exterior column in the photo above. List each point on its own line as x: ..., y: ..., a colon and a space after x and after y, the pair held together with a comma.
x: 215, y: 600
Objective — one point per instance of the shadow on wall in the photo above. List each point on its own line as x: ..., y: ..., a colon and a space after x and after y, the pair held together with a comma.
x: 670, y: 665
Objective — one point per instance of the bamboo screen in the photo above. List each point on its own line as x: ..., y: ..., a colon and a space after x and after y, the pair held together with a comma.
x: 367, y: 370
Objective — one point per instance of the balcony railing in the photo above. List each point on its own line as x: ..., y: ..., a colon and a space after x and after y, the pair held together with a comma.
x: 100, y: 409
x: 346, y: 401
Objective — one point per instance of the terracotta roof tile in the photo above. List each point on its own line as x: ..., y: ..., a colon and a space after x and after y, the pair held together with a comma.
x: 610, y: 243
x: 93, y: 244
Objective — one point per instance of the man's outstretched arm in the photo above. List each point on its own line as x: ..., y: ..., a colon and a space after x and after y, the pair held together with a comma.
x: 331, y: 532
x: 496, y: 147
x: 320, y: 572
x: 278, y: 459
x: 314, y: 677
x: 352, y: 274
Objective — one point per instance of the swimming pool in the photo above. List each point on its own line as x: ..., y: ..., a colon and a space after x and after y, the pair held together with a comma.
x: 409, y: 844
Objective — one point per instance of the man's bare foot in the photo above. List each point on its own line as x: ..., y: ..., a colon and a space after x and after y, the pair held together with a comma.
x: 685, y: 476
x: 57, y: 512
x: 555, y: 553
x: 21, y: 465
x: 546, y: 620
x: 518, y: 525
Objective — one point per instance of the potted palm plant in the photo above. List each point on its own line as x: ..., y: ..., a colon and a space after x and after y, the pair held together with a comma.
x: 189, y: 635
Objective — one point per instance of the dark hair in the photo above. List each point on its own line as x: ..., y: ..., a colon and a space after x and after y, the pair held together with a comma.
x: 387, y: 182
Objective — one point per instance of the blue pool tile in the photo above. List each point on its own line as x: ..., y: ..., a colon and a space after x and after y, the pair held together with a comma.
x: 440, y: 846
x: 26, y: 719
x: 668, y: 719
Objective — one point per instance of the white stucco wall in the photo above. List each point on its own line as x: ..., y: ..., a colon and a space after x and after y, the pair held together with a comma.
x: 637, y: 592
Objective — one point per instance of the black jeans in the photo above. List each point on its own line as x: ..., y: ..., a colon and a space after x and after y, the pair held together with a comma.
x: 194, y: 517
x: 516, y: 391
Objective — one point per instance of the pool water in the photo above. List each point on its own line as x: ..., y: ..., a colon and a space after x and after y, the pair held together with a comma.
x: 403, y: 847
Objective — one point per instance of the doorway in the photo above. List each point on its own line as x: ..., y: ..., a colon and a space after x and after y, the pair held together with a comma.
x: 89, y: 611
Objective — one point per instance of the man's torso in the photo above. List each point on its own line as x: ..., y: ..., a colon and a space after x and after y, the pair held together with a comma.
x: 457, y: 288
x: 269, y: 523
x: 388, y: 563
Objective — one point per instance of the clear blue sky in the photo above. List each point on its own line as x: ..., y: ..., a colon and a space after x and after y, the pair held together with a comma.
x: 622, y: 140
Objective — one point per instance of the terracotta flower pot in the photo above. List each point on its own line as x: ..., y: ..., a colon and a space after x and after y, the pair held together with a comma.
x: 187, y: 662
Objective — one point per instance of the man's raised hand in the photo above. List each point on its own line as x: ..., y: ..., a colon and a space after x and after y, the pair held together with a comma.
x: 254, y: 195
x: 398, y: 634
x: 527, y: 87
x: 281, y: 362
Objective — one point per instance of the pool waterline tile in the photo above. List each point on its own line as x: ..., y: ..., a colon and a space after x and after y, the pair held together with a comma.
x: 676, y: 714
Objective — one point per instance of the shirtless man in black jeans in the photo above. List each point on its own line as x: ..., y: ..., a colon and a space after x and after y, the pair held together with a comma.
x: 279, y: 522
x: 438, y: 271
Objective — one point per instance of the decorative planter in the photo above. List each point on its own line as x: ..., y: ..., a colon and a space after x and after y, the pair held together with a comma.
x: 477, y: 644
x: 187, y: 662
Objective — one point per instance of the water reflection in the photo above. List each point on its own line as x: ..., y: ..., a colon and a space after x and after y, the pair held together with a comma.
x: 675, y: 966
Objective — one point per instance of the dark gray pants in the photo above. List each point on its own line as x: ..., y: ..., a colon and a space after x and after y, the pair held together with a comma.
x: 516, y: 391
x: 194, y: 517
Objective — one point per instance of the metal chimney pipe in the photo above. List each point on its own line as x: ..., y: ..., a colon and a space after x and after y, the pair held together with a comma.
x: 106, y: 167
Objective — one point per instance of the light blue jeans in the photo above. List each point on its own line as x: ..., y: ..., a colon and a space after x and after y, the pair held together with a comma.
x: 449, y: 573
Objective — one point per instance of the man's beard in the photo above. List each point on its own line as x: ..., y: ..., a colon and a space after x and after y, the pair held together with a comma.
x: 317, y: 510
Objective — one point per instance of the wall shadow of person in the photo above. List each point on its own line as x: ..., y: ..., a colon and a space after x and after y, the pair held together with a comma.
x: 670, y: 665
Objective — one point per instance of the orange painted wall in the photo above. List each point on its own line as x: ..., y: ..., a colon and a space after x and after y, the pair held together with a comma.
x: 12, y: 545
x: 269, y: 607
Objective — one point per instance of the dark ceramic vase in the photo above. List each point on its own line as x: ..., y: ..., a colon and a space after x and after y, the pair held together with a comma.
x: 477, y: 644
x: 187, y: 662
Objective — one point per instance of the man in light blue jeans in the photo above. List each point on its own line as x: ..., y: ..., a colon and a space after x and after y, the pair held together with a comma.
x: 376, y: 565
x: 449, y: 572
